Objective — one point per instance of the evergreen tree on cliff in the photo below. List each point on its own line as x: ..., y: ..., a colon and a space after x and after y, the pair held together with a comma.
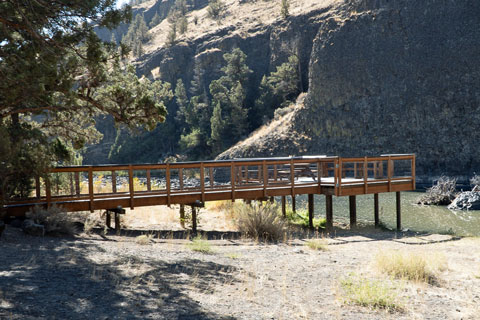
x: 57, y: 76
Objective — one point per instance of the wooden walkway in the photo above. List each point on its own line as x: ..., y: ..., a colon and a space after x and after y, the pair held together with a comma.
x: 106, y: 187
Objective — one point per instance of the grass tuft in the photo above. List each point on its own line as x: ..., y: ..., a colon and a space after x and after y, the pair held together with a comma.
x: 317, y: 244
x: 200, y: 244
x: 374, y: 294
x: 55, y: 219
x: 260, y: 222
x: 144, y: 239
x: 410, y: 266
x: 301, y: 218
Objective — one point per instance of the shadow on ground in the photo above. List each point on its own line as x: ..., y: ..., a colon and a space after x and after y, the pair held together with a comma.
x: 57, y: 278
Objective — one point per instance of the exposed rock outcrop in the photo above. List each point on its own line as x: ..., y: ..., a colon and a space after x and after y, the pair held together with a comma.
x: 390, y: 77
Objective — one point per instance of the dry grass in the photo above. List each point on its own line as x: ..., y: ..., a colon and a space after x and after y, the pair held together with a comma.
x: 260, y: 222
x: 411, y: 266
x: 200, y: 244
x: 144, y: 239
x: 317, y: 244
x: 375, y: 294
x: 55, y: 219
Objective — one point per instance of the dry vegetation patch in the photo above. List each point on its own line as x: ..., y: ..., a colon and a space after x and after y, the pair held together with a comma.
x: 371, y: 293
x: 411, y: 265
x: 260, y: 222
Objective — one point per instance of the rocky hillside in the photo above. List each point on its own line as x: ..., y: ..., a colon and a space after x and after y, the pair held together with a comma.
x: 388, y: 77
x: 380, y: 76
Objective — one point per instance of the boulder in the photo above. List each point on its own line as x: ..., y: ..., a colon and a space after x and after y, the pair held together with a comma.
x: 31, y: 228
x: 468, y: 200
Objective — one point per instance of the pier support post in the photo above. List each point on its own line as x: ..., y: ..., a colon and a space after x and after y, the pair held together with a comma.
x: 108, y: 219
x: 329, y: 210
x: 399, y: 211
x: 118, y: 227
x: 375, y: 209
x: 194, y: 219
x: 294, y: 205
x: 182, y: 215
x: 353, y: 211
x: 272, y: 199
x: 284, y: 206
x: 310, y: 211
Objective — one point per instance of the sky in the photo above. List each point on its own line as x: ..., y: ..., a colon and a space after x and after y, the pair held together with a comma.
x: 121, y: 3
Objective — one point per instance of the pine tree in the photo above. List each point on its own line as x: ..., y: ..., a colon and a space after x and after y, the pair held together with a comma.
x: 172, y: 34
x: 155, y: 20
x: 285, y: 80
x: 285, y: 9
x: 183, y: 25
x: 217, y: 125
x: 183, y: 113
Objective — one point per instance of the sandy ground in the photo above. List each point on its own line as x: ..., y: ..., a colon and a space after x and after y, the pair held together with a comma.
x: 100, y: 276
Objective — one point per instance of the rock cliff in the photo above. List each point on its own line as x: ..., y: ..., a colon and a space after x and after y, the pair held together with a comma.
x: 388, y: 77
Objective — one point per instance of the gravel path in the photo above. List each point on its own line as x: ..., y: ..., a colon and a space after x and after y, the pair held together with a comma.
x: 113, y: 277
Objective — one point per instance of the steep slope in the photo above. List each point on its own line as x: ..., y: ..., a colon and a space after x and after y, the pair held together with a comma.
x: 389, y: 77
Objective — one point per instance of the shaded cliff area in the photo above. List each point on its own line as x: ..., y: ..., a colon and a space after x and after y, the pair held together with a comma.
x: 388, y: 77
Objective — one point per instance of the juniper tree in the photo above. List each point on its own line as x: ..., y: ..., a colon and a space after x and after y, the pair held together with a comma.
x: 57, y: 76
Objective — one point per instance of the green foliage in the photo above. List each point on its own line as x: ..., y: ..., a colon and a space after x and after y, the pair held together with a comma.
x: 200, y: 244
x: 155, y: 20
x: 285, y: 80
x: 301, y: 218
x: 183, y: 25
x: 137, y: 35
x: 285, y: 9
x: 229, y: 95
x: 374, y: 294
x: 172, y: 34
x: 69, y: 77
x: 215, y: 9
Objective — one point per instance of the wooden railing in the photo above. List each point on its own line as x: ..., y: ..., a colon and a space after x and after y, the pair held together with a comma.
x: 298, y: 175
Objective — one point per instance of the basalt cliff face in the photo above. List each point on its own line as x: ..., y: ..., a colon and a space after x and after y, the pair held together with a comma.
x: 387, y: 77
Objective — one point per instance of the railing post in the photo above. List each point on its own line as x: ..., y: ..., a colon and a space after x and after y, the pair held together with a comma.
x: 48, y: 191
x: 130, y: 185
x: 90, y: 188
x: 265, y: 178
x: 114, y: 181
x: 149, y: 181
x: 319, y: 176
x: 232, y: 179
x: 202, y: 181
x: 389, y: 174
x: 37, y: 187
x: 210, y: 171
x: 340, y: 173
x: 180, y: 177
x: 167, y: 182
x: 365, y: 175
x: 292, y: 176
x: 413, y: 172
x: 335, y: 176
x: 77, y: 183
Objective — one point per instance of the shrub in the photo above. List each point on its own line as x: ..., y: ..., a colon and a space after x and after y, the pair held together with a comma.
x: 317, y: 244
x: 375, y: 294
x: 410, y: 266
x: 144, y: 239
x: 442, y: 193
x: 215, y: 9
x: 301, y: 218
x: 54, y: 219
x: 200, y: 244
x: 260, y: 222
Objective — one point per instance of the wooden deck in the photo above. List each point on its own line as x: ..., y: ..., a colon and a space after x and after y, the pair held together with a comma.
x: 83, y: 188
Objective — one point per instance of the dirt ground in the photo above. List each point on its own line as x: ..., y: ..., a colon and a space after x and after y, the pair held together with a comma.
x: 111, y: 276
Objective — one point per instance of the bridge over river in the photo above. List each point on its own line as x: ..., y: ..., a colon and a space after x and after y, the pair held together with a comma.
x: 89, y: 188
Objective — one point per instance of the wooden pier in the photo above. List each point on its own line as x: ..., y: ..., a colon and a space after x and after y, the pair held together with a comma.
x: 89, y: 188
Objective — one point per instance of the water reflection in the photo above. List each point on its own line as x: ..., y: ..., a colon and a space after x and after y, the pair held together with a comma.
x: 435, y: 219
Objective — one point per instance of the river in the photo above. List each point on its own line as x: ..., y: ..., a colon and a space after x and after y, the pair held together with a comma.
x: 434, y: 219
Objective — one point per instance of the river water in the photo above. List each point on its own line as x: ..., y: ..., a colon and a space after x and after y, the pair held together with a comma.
x: 435, y: 219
